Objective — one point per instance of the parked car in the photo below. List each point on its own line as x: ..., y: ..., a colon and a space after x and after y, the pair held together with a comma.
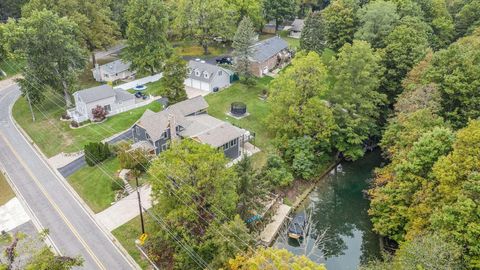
x: 224, y: 60
x: 139, y: 94
x: 297, y: 226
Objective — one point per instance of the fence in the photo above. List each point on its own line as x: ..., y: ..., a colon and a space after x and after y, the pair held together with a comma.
x: 142, y: 81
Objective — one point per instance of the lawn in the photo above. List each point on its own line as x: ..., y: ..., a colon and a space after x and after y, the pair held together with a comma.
x: 153, y: 88
x: 85, y: 79
x: 54, y: 136
x: 6, y: 193
x: 94, y: 184
x: 192, y: 49
x: 128, y: 233
x: 219, y: 103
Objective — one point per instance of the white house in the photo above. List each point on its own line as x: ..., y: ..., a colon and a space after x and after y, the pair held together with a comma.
x: 297, y: 28
x: 207, y: 77
x: 113, y: 71
x: 114, y: 101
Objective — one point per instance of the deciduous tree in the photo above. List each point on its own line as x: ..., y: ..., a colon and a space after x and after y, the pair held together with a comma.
x: 340, y: 22
x: 147, y: 45
x: 174, y: 75
x: 279, y: 10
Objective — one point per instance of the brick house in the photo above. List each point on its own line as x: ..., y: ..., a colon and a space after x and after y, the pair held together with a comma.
x: 268, y: 55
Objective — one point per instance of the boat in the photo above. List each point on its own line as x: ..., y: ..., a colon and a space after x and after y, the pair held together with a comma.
x: 297, y: 227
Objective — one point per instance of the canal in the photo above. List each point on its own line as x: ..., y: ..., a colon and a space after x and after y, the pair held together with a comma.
x: 341, y: 235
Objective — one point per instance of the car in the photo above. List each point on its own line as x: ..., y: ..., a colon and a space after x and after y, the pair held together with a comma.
x: 139, y: 95
x: 224, y: 60
x: 297, y: 226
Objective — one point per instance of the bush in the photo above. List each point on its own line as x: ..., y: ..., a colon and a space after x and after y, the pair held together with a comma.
x: 118, y: 184
x: 99, y: 113
x: 65, y: 116
x: 276, y: 172
x: 96, y: 153
x: 137, y: 159
x: 74, y: 124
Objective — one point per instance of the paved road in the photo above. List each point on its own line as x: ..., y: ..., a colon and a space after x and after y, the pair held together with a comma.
x: 72, y: 228
x: 78, y: 163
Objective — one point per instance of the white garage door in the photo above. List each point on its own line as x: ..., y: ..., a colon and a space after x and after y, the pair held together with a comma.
x: 196, y: 84
x: 188, y: 82
x: 205, y: 86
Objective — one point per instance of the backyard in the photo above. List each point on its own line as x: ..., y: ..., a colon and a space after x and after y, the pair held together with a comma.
x: 294, y: 43
x: 192, y: 49
x: 54, y: 136
x: 219, y: 105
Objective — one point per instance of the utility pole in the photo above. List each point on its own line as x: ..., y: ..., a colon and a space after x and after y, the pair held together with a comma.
x: 139, y: 203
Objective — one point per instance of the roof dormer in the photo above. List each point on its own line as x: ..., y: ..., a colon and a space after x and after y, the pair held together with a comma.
x: 197, y: 72
x: 206, y: 75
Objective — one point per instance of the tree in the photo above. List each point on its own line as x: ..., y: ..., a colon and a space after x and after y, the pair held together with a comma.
x: 355, y: 98
x: 134, y: 159
x: 272, y: 258
x: 251, y: 189
x: 52, y: 53
x: 194, y: 191
x: 93, y: 17
x: 468, y: 18
x: 406, y: 45
x: 252, y: 9
x: 96, y: 153
x: 377, y: 19
x: 174, y: 75
x: 313, y: 36
x: 279, y: 10
x: 32, y: 256
x: 340, y: 22
x: 424, y: 252
x: 204, y: 21
x: 10, y: 9
x: 424, y: 97
x: 119, y: 9
x: 242, y: 47
x: 456, y: 70
x: 147, y: 45
x: 300, y: 109
x: 457, y: 194
x: 276, y: 173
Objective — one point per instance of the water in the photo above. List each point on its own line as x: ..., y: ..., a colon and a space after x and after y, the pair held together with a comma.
x: 338, y: 212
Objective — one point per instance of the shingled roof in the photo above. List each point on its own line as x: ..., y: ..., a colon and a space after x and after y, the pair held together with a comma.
x: 266, y: 49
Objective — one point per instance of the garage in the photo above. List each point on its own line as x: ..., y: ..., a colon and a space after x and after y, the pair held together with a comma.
x: 204, y: 86
x: 188, y: 82
x: 196, y: 84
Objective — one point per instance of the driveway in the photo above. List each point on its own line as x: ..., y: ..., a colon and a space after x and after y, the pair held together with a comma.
x: 194, y: 92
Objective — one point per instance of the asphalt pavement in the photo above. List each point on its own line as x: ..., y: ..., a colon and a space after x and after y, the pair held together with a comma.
x: 72, y: 228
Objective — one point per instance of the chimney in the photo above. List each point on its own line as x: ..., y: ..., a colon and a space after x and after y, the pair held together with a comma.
x: 173, y: 127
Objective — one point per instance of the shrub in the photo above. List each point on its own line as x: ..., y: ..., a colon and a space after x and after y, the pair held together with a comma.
x: 65, y: 116
x: 99, y: 113
x: 96, y: 153
x: 276, y: 172
x: 118, y: 184
x: 137, y: 159
x: 74, y: 124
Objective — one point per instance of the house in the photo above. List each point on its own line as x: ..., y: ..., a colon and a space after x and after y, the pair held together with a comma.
x: 113, y: 71
x: 297, y: 28
x: 112, y: 100
x: 268, y: 54
x: 270, y: 27
x: 207, y: 77
x: 189, y: 119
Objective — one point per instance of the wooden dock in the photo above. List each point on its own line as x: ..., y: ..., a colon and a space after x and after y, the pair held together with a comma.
x: 267, y: 236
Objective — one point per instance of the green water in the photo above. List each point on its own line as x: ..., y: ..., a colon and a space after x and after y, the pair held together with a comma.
x: 338, y: 210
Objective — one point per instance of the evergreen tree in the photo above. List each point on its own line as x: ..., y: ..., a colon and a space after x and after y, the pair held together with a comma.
x: 312, y: 38
x: 242, y: 50
x: 174, y: 75
x: 147, y: 45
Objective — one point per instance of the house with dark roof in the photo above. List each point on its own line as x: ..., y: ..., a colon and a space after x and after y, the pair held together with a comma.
x: 112, y: 100
x: 189, y: 119
x: 297, y: 28
x: 207, y: 77
x: 268, y: 54
x: 113, y: 71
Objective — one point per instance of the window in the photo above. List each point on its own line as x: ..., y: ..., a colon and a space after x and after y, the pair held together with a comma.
x: 197, y: 73
x: 137, y: 130
x: 107, y: 108
x: 189, y: 71
x: 164, y: 147
x: 164, y: 135
x: 148, y: 136
x: 205, y: 74
x: 225, y: 147
x: 233, y: 143
x: 220, y: 73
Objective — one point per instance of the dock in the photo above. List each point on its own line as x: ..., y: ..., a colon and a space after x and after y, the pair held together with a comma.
x: 267, y: 236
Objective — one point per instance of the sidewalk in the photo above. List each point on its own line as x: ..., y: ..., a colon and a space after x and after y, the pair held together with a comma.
x: 7, y: 82
x: 125, y: 209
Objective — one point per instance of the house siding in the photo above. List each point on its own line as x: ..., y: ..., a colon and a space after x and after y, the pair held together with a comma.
x: 257, y: 68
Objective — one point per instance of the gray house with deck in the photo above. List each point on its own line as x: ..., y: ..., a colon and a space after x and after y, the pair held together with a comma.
x: 188, y: 119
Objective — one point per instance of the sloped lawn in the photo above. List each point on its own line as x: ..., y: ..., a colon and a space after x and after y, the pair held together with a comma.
x: 6, y: 193
x: 54, y: 136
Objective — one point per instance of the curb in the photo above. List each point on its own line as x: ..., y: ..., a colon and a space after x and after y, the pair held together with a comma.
x: 69, y: 188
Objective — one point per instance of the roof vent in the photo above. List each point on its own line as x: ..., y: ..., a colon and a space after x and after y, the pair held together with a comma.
x: 203, y: 62
x: 198, y: 59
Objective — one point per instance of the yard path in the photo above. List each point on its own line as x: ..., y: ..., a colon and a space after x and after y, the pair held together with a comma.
x: 72, y: 227
x: 125, y: 210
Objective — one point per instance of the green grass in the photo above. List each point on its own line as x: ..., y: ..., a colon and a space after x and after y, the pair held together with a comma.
x: 154, y: 89
x: 54, y: 136
x: 128, y: 233
x: 191, y: 48
x: 10, y: 67
x: 94, y: 184
x: 6, y: 193
x: 219, y: 105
